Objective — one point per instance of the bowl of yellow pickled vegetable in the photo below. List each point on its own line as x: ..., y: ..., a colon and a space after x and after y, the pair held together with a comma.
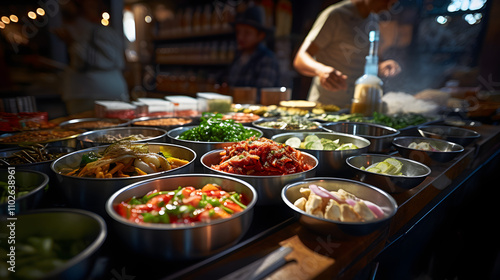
x: 389, y: 173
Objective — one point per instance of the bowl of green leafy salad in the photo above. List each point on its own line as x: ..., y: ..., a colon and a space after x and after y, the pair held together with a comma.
x: 212, y: 133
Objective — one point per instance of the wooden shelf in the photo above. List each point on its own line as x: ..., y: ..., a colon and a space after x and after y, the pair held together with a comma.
x: 163, y: 36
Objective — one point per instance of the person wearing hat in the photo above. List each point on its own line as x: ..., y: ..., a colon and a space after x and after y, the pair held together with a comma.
x: 254, y: 65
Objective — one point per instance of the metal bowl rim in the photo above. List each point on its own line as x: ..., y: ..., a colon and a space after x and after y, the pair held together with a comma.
x: 36, y: 189
x: 257, y: 122
x: 329, y: 133
x: 80, y: 120
x: 460, y: 147
x: 121, y: 178
x: 395, y: 132
x: 133, y: 121
x: 78, y: 130
x: 255, y: 176
x: 81, y: 136
x: 112, y: 213
x: 204, y: 142
x: 428, y: 170
x: 392, y: 201
x: 473, y: 134
x: 27, y: 165
x: 91, y: 248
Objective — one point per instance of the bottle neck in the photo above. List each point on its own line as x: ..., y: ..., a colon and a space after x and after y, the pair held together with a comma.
x: 371, y: 65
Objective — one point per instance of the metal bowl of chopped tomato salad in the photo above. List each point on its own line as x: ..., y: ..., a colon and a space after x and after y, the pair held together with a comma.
x: 182, y: 217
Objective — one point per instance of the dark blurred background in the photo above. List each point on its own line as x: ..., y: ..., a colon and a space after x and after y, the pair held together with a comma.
x: 438, y: 43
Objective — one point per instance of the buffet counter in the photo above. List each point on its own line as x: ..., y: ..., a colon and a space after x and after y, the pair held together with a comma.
x: 274, y: 227
x: 317, y: 256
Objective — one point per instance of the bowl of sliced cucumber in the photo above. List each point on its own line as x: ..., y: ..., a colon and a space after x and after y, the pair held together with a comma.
x: 331, y: 149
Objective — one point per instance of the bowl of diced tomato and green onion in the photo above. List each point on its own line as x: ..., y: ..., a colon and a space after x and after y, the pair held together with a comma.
x: 182, y: 217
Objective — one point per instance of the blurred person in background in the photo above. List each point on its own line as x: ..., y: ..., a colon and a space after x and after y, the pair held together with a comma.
x: 96, y: 57
x: 334, y: 51
x: 254, y: 65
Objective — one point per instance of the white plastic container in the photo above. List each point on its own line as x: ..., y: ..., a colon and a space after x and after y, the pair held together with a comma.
x: 214, y: 102
x: 184, y: 106
x: 158, y: 107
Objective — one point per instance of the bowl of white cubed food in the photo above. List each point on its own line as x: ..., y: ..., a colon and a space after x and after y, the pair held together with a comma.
x: 339, y: 207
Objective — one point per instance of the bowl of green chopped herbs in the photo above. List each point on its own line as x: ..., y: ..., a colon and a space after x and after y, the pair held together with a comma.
x: 212, y: 133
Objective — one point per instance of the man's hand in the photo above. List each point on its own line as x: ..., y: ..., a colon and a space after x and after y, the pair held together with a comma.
x: 331, y: 79
x: 389, y: 68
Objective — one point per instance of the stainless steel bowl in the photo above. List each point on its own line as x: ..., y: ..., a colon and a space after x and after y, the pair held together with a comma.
x: 291, y: 193
x: 268, y: 187
x: 84, y: 123
x: 36, y: 180
x: 91, y: 138
x: 92, y: 193
x: 330, y: 163
x: 137, y: 122
x: 182, y: 241
x: 448, y: 150
x: 461, y: 136
x: 69, y: 141
x: 43, y: 166
x: 269, y: 132
x: 380, y: 136
x: 66, y: 225
x: 413, y: 173
x: 200, y: 147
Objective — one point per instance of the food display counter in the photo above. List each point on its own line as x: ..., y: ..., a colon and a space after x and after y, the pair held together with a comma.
x: 324, y: 256
x: 317, y: 255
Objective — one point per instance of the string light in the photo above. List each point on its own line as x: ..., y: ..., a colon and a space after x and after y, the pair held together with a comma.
x: 14, y: 18
x: 40, y: 11
x: 104, y: 22
x: 2, y: 25
x: 5, y: 20
x: 31, y: 15
x: 105, y: 15
x: 148, y: 19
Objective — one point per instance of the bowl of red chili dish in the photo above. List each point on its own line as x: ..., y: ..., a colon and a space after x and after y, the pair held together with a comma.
x: 182, y: 217
x: 265, y: 164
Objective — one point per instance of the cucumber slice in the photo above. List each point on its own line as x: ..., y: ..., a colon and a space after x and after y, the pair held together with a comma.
x: 316, y: 145
x: 397, y: 165
x: 311, y: 138
x: 293, y: 142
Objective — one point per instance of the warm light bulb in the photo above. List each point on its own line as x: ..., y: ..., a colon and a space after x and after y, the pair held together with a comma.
x: 148, y: 19
x: 104, y: 22
x: 5, y: 20
x: 105, y: 15
x: 32, y: 15
x: 2, y: 25
x: 14, y: 18
x: 40, y: 11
